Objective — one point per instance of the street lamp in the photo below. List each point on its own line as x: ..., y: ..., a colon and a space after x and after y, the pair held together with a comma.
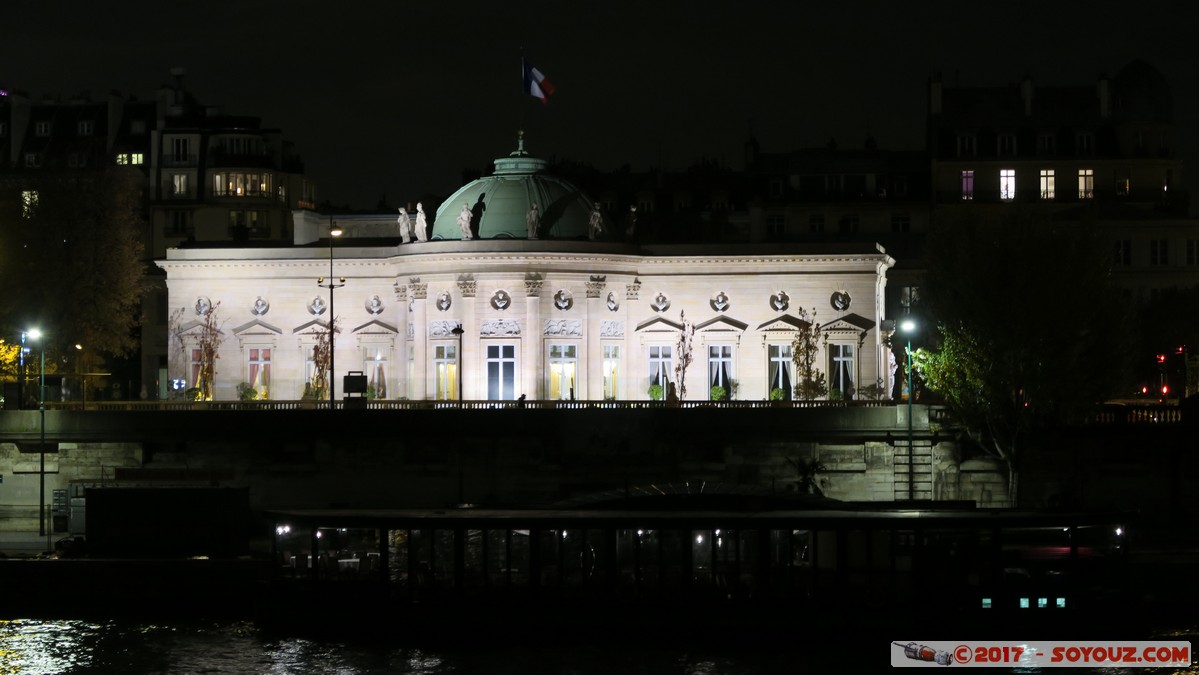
x: 334, y: 231
x: 457, y: 330
x: 36, y: 334
x: 908, y: 326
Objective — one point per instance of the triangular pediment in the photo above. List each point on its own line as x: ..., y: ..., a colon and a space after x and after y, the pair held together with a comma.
x: 659, y: 323
x: 257, y: 327
x: 786, y: 322
x: 375, y: 327
x: 192, y: 327
x: 850, y: 323
x: 305, y: 327
x: 722, y: 323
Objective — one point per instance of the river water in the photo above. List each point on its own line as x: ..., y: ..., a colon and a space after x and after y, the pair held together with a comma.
x: 49, y: 647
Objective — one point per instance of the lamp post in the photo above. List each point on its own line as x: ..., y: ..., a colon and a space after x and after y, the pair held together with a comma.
x: 334, y: 231
x: 36, y: 334
x: 457, y: 330
x: 908, y: 327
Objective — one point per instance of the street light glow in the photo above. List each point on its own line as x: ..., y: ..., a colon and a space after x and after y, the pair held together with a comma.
x: 907, y: 326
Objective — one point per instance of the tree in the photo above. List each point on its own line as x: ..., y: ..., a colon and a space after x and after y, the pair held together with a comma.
x: 1030, y: 333
x: 71, y: 244
x: 810, y: 383
x: 322, y: 360
x: 685, y: 350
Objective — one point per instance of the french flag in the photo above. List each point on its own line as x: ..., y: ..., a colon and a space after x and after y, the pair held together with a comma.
x: 536, y: 84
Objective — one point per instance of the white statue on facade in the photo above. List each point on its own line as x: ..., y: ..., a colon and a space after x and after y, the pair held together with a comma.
x: 596, y: 224
x: 405, y: 222
x: 422, y: 229
x: 464, y: 219
x: 533, y: 219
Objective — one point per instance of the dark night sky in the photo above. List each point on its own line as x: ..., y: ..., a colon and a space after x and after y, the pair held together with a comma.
x: 397, y: 98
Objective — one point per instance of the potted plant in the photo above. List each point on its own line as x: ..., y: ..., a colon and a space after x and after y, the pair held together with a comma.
x: 718, y: 393
x: 656, y: 392
x: 246, y: 392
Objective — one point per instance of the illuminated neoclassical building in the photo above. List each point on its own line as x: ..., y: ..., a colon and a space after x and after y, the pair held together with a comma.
x: 548, y: 309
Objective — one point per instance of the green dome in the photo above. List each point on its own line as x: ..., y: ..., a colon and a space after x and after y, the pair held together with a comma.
x: 504, y: 198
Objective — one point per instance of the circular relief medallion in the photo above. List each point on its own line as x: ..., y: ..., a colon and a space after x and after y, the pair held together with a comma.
x: 613, y: 303
x: 660, y: 303
x: 720, y: 302
x: 203, y: 305
x: 840, y: 301
x: 374, y: 305
x: 563, y: 300
x: 316, y: 306
x: 443, y: 301
x: 779, y: 302
x: 260, y: 307
x: 501, y: 300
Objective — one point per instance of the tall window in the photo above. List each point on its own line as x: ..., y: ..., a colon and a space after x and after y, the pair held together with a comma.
x: 445, y: 370
x: 1123, y: 182
x: 1192, y: 252
x: 180, y: 146
x: 1046, y: 144
x: 501, y: 372
x: 776, y: 224
x: 1007, y: 184
x: 374, y: 366
x: 848, y: 223
x: 1086, y: 183
x: 968, y: 185
x: 260, y: 371
x: 41, y: 129
x: 660, y: 364
x: 563, y: 367
x: 1159, y: 252
x: 967, y: 146
x: 1122, y: 253
x: 1007, y: 144
x: 901, y: 223
x: 179, y: 184
x: 194, y: 366
x: 816, y: 223
x: 720, y: 368
x: 86, y: 127
x: 1084, y: 144
x: 780, y: 371
x: 1047, y: 187
x: 611, y: 371
x: 841, y: 370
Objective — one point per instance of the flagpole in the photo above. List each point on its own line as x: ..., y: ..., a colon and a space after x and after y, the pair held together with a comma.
x: 520, y: 117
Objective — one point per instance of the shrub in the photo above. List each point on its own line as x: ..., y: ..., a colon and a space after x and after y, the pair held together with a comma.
x: 718, y: 393
x: 656, y: 392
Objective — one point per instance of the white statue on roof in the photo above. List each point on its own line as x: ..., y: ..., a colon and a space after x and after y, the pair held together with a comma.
x: 405, y: 222
x: 533, y: 219
x: 596, y: 224
x: 464, y: 219
x: 422, y: 228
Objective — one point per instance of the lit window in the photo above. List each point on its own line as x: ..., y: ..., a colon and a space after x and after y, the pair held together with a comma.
x: 374, y: 366
x: 780, y: 372
x: 137, y: 159
x: 967, y: 185
x: 501, y: 372
x: 611, y: 372
x: 720, y: 369
x: 86, y: 127
x: 1007, y: 184
x: 445, y: 369
x: 563, y: 366
x: 1086, y: 183
x: 122, y: 158
x: 660, y: 365
x: 179, y: 184
x: 1047, y: 189
x: 841, y: 370
x: 259, y: 368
